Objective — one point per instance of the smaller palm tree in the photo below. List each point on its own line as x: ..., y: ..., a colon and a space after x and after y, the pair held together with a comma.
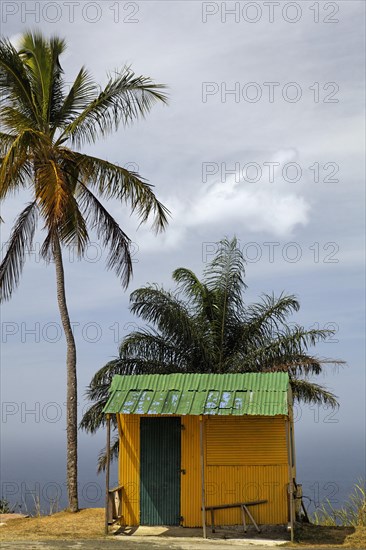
x: 205, y: 326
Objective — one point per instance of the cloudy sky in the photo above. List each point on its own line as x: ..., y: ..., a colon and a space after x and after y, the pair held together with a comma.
x: 263, y: 138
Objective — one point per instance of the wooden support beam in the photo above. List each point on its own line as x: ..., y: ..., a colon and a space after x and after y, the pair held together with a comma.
x: 107, y: 469
x: 292, y: 429
x: 290, y: 479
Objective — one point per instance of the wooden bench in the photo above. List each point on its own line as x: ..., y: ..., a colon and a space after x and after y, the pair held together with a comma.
x: 244, y: 510
x: 114, y: 504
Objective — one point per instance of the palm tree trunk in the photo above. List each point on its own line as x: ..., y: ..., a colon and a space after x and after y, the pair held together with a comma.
x: 71, y: 400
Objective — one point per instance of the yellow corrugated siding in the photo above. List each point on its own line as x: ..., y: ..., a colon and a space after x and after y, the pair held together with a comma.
x: 129, y: 468
x: 228, y: 484
x: 246, y: 440
x: 245, y: 459
x: 190, y: 499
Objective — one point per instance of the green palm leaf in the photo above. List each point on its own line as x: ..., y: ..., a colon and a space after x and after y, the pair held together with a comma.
x: 109, y: 233
x: 124, y: 98
x: 20, y: 242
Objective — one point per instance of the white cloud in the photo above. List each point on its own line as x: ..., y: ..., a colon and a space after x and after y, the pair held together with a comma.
x: 237, y: 204
x: 257, y: 208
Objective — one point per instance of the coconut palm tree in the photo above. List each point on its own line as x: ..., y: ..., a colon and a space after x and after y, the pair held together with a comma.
x: 44, y: 125
x: 205, y: 326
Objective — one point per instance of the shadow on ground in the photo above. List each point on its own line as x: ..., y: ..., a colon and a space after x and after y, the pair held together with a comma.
x: 276, y: 533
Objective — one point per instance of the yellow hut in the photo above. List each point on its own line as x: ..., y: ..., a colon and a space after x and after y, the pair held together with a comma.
x: 197, y: 443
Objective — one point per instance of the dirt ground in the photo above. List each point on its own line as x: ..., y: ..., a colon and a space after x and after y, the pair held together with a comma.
x: 88, y: 525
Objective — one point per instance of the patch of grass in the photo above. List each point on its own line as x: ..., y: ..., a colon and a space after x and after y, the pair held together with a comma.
x: 324, y: 536
x: 352, y: 514
x: 343, y: 527
x: 358, y: 539
x: 4, y: 506
x: 85, y: 524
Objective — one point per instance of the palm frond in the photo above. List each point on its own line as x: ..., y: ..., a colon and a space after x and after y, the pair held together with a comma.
x: 41, y: 58
x: 114, y: 450
x: 94, y: 417
x: 82, y: 92
x: 112, y: 181
x: 21, y: 238
x: 225, y: 273
x: 190, y: 285
x: 14, y: 120
x: 109, y: 232
x: 101, y: 381
x: 284, y: 348
x: 148, y: 345
x: 98, y: 392
x: 124, y: 98
x: 6, y: 142
x: 15, y: 167
x: 15, y: 87
x: 173, y: 320
x: 305, y: 365
x: 224, y: 277
x: 309, y: 392
x: 268, y: 315
x: 164, y: 310
x: 56, y: 93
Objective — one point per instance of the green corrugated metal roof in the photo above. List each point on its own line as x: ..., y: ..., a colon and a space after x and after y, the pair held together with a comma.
x: 224, y: 394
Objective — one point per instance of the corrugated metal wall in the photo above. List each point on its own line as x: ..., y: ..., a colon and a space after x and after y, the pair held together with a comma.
x: 191, y: 480
x: 228, y: 484
x: 246, y: 440
x: 129, y: 468
x: 245, y: 459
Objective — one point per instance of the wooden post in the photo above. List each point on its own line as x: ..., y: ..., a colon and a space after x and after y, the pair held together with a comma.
x: 290, y: 486
x: 292, y: 429
x: 203, y: 504
x: 107, y: 472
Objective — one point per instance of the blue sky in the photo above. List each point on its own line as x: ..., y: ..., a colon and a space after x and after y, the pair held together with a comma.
x: 263, y: 138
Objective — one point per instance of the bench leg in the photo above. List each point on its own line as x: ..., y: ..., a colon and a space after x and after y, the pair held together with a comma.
x: 243, y: 518
x: 251, y: 517
x: 212, y: 521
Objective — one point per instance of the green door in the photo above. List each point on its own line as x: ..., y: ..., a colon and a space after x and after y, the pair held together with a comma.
x: 160, y: 471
